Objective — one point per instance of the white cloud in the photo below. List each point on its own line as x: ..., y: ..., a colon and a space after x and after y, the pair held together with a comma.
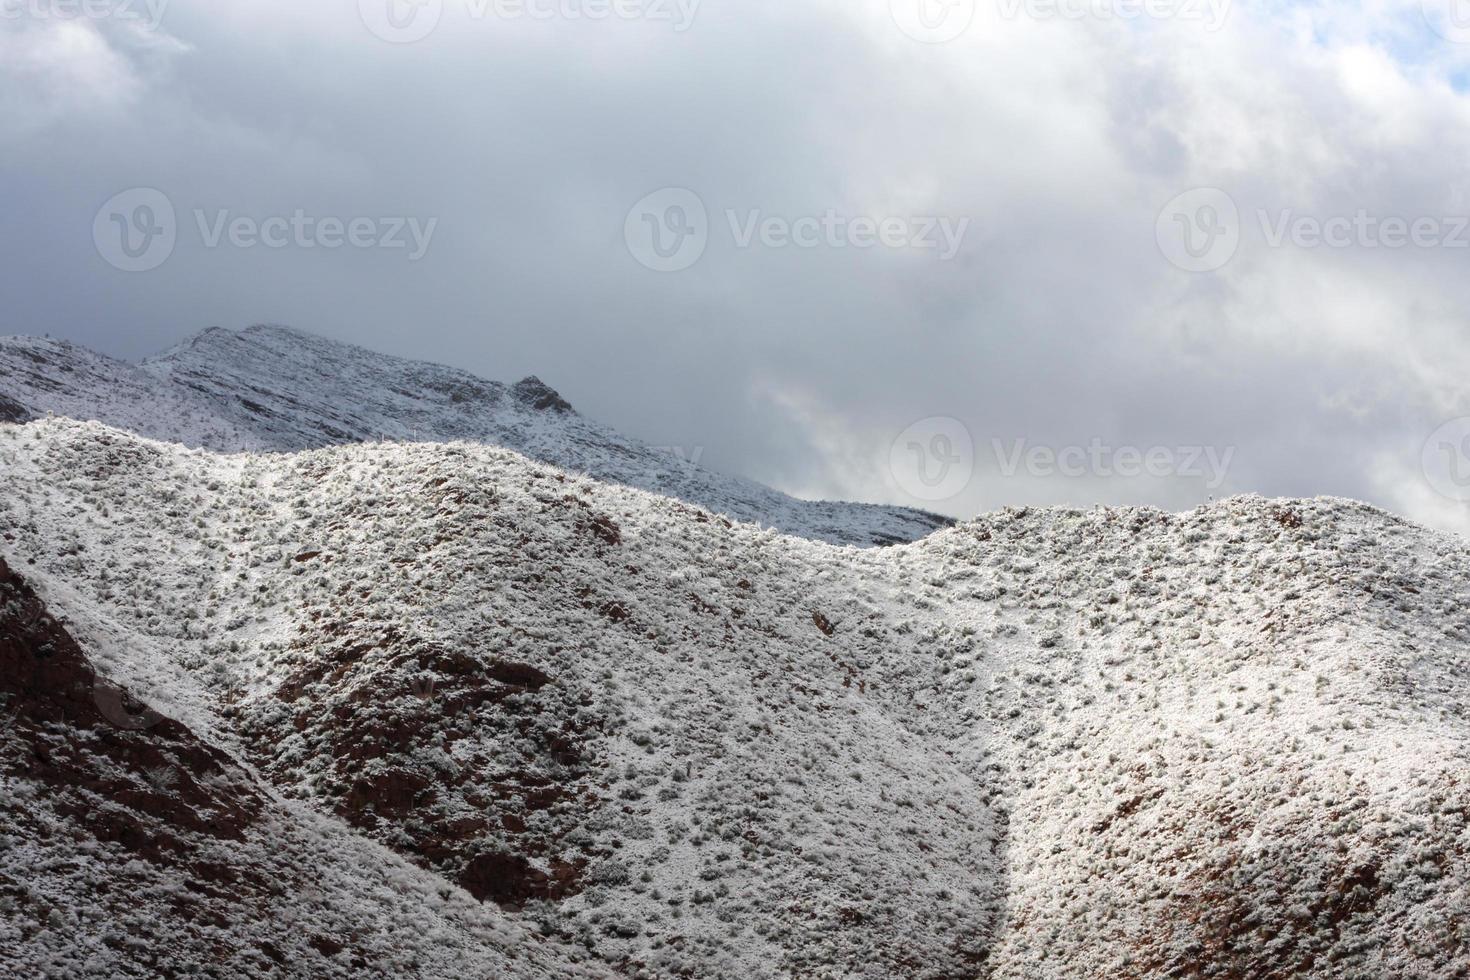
x: 1059, y: 139
x: 62, y: 69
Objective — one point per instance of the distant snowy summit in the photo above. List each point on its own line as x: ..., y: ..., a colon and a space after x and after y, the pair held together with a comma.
x: 275, y: 389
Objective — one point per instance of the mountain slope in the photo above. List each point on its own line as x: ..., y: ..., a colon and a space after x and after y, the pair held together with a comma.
x: 517, y: 678
x: 40, y: 377
x: 271, y: 388
x: 133, y: 848
x: 1044, y: 744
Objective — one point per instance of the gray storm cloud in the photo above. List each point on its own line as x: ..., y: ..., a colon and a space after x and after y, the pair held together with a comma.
x: 1081, y: 306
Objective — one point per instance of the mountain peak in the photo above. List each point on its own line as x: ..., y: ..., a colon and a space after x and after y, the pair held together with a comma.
x: 218, y: 335
x: 281, y: 330
x: 273, y: 388
x: 207, y: 338
x: 537, y: 394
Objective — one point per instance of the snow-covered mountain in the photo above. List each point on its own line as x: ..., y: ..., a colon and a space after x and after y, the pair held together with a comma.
x: 655, y: 743
x: 276, y: 389
x: 132, y: 847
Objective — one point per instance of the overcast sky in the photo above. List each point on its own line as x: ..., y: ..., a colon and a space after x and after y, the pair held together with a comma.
x: 898, y: 251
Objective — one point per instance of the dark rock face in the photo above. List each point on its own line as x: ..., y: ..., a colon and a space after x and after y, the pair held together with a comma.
x: 150, y: 783
x: 11, y: 411
x: 510, y: 880
x: 540, y: 396
x: 183, y: 864
x: 383, y: 704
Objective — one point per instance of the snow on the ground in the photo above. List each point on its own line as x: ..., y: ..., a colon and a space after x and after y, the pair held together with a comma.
x: 1229, y: 742
x: 131, y: 847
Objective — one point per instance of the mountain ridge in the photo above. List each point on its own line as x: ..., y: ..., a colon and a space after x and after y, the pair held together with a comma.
x: 273, y: 388
x: 1051, y: 743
